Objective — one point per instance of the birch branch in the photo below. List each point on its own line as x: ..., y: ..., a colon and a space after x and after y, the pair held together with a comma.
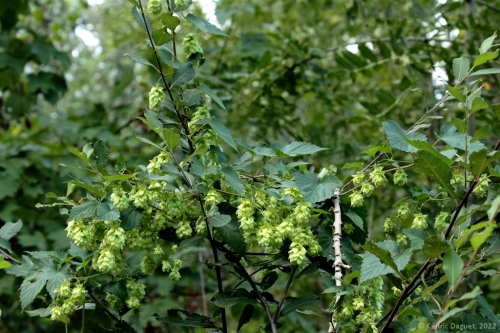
x: 337, y: 264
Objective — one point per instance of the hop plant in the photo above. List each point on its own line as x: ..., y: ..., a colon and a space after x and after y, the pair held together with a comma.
x: 388, y: 225
x: 482, y: 186
x: 148, y: 264
x: 155, y: 7
x: 108, y: 261
x: 400, y: 177
x: 297, y: 254
x: 184, y: 230
x: 119, y: 198
x: 357, y: 179
x: 286, y: 227
x: 156, y: 96
x: 458, y: 178
x: 78, y: 294
x: 181, y: 3
x: 201, y: 113
x: 115, y: 302
x: 301, y: 213
x: 397, y: 292
x: 403, y: 211
x: 348, y: 228
x: 115, y: 238
x: 191, y: 45
x: 79, y: 233
x: 440, y: 223
x: 245, y: 214
x: 419, y: 221
x: 367, y: 189
x: 401, y: 239
x: 378, y: 176
x: 64, y: 290
x: 356, y: 199
x: 213, y: 198
x: 135, y: 293
x: 174, y: 273
x: 165, y: 266
x: 56, y: 313
x: 139, y: 196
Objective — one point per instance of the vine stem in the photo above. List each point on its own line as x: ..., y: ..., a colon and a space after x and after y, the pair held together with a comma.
x: 216, y: 260
x: 288, y: 284
x: 98, y: 301
x: 232, y: 258
x: 337, y: 247
x: 182, y: 119
x: 8, y: 257
x: 185, y: 127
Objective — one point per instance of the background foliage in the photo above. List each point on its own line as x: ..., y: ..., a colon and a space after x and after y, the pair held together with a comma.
x: 318, y: 71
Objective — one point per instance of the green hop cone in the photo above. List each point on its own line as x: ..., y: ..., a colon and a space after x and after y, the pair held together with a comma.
x: 155, y: 7
x: 458, y: 178
x: 367, y: 189
x: 403, y: 210
x: 181, y: 3
x: 378, y: 176
x: 388, y: 225
x: 400, y: 177
x: 356, y: 199
x: 156, y: 96
x: 440, y: 224
x: 401, y: 239
x: 190, y: 45
x: 347, y: 228
x: 419, y: 221
x: 357, y: 179
x: 482, y: 186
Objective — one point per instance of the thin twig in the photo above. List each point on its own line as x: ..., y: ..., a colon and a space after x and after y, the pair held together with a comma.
x: 453, y: 290
x: 216, y: 260
x: 8, y: 257
x: 337, y: 247
x: 202, y: 285
x: 103, y: 307
x: 285, y: 292
x: 182, y: 119
x: 231, y: 257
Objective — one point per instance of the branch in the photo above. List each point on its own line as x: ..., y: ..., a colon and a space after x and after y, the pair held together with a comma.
x: 216, y: 259
x: 182, y: 119
x: 98, y: 301
x: 337, y: 247
x: 8, y: 257
x: 289, y: 282
x: 231, y: 257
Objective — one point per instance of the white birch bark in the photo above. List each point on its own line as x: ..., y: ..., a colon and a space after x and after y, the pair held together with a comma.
x: 337, y: 247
